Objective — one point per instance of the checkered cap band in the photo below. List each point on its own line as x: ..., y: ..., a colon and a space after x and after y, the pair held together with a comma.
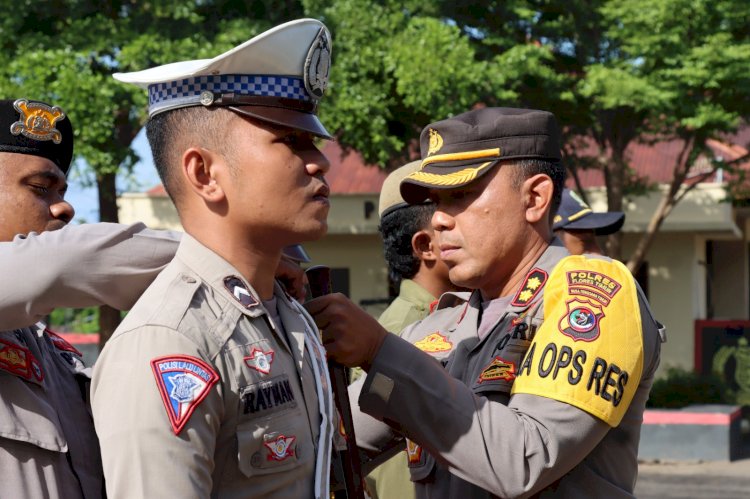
x: 186, y: 92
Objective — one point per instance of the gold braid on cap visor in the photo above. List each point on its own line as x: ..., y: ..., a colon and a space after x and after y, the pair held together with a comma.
x: 460, y: 177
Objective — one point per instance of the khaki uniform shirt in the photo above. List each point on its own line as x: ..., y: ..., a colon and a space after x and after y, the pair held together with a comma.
x: 200, y: 394
x: 48, y: 447
x: 391, y: 479
x: 550, y: 402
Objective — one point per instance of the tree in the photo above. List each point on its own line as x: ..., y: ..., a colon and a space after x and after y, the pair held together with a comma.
x: 616, y: 72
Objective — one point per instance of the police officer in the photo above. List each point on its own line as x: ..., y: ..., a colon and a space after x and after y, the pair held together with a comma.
x: 414, y: 265
x: 537, y: 383
x: 48, y: 447
x: 577, y: 225
x: 215, y: 384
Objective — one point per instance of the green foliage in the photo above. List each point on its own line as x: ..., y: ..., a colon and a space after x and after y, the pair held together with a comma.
x: 681, y: 387
x: 78, y: 320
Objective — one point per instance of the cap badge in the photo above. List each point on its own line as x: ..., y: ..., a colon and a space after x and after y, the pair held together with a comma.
x: 318, y: 65
x: 436, y: 142
x: 37, y: 121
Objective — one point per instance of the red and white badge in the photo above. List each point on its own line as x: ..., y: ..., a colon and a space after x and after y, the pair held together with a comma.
x: 280, y: 448
x: 259, y: 360
x: 19, y: 361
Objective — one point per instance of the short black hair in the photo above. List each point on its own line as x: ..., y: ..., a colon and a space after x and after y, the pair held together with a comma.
x: 397, y: 228
x: 166, y: 133
x: 555, y: 170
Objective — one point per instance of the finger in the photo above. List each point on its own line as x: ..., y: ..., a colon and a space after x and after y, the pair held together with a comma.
x: 317, y: 305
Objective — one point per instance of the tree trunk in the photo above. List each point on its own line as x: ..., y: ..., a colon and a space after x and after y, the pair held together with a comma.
x: 109, y: 318
x: 614, y: 179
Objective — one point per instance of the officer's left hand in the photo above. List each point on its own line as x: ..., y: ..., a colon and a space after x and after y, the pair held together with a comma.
x: 351, y: 336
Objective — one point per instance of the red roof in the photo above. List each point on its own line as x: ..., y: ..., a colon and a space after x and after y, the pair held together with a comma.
x: 655, y: 162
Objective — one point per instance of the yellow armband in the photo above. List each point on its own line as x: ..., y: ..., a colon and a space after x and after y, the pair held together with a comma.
x: 589, y: 350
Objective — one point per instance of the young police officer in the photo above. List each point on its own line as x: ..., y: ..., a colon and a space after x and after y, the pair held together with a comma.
x: 537, y: 383
x: 215, y: 384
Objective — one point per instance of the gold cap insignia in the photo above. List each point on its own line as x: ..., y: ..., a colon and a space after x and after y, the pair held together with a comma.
x: 37, y: 121
x: 436, y: 142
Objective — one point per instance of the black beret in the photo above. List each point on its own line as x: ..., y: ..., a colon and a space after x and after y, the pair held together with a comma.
x: 38, y: 129
x: 458, y: 150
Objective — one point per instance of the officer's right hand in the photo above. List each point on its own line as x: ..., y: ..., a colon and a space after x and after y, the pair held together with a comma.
x: 351, y: 336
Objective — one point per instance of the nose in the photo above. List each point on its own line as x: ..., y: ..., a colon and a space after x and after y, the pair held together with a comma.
x: 442, y: 221
x: 317, y: 163
x: 62, y: 210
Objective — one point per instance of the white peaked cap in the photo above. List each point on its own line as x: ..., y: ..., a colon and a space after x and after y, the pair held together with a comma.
x: 277, y: 76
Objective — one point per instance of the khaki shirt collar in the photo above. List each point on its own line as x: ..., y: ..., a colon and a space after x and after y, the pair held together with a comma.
x: 220, y: 275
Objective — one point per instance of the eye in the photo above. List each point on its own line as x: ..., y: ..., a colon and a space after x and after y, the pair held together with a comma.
x: 39, y: 189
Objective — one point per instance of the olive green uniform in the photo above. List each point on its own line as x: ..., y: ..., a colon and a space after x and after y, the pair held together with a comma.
x: 48, y: 447
x: 201, y: 393
x: 550, y: 401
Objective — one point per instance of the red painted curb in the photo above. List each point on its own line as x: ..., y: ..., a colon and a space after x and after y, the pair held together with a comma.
x: 80, y: 338
x: 689, y: 418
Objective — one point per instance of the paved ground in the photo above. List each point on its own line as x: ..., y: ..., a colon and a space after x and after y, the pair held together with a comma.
x: 707, y: 480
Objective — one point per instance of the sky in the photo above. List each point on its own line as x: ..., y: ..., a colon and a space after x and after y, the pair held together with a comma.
x: 84, y: 198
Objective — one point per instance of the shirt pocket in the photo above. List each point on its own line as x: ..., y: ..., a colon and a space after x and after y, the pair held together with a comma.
x: 26, y: 416
x: 273, y: 444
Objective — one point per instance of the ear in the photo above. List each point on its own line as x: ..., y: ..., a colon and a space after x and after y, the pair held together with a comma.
x: 423, y: 246
x: 202, y: 169
x: 537, y: 192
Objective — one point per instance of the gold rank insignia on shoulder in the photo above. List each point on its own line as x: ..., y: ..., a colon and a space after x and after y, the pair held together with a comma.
x: 37, y: 121
x: 436, y: 142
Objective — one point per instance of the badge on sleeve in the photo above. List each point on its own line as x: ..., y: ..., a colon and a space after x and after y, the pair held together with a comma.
x: 61, y: 343
x: 183, y: 382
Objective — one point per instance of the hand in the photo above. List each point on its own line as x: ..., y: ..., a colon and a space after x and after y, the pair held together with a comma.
x: 292, y: 277
x: 350, y: 335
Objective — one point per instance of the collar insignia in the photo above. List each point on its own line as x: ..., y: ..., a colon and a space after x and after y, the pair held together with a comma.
x: 532, y: 285
x: 434, y: 343
x: 413, y: 452
x: 19, y: 361
x: 237, y: 287
x: 280, y: 448
x: 37, y: 121
x: 260, y: 361
x: 183, y: 382
x: 318, y: 65
x: 436, y: 142
x: 499, y: 368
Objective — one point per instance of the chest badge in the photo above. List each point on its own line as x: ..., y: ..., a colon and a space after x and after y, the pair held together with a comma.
x: 499, y: 368
x: 260, y: 361
x: 434, y: 343
x: 183, y: 382
x: 280, y: 448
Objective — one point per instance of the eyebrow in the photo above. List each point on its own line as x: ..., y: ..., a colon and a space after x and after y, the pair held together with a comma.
x: 50, y: 176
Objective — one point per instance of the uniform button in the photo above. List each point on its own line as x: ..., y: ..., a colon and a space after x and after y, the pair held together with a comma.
x: 188, y: 279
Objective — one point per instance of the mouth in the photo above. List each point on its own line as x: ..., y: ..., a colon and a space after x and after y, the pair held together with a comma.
x: 322, y: 194
x: 446, y: 250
